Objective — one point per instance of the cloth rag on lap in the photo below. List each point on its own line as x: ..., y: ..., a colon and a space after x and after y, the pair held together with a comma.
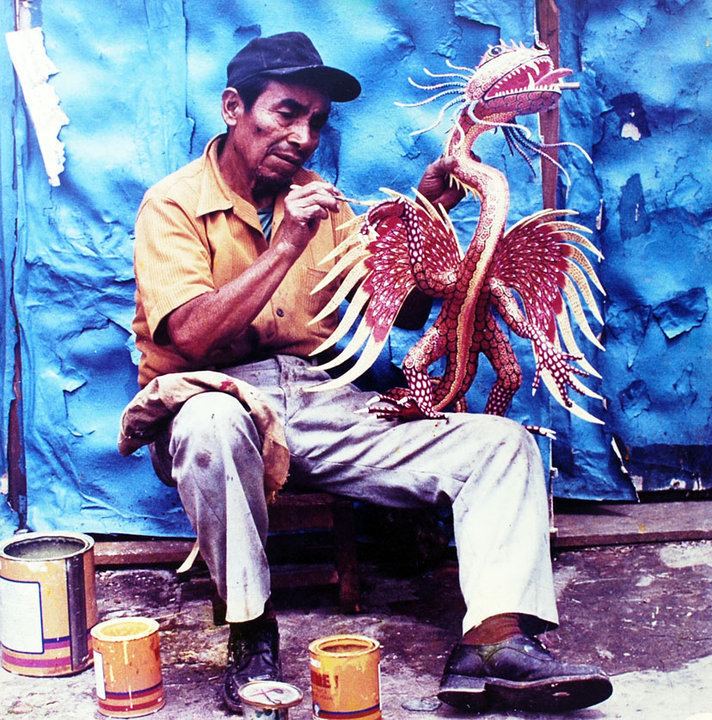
x: 155, y: 405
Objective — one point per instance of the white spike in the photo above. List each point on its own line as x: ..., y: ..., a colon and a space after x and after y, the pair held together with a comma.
x: 427, y: 205
x: 562, y: 320
x: 440, y: 117
x: 584, y: 390
x: 579, y: 315
x: 351, y: 257
x: 393, y: 193
x: 368, y: 357
x: 352, y: 347
x: 578, y: 276
x: 582, y: 241
x: 350, y: 281
x: 442, y: 93
x: 355, y: 220
x: 360, y: 298
x: 444, y: 75
x: 353, y: 239
x: 450, y: 64
x: 581, y: 259
x: 536, y: 217
x: 437, y: 86
x: 574, y: 409
x: 569, y: 225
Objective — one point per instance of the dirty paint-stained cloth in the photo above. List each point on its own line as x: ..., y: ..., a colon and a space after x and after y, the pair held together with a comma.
x: 153, y: 407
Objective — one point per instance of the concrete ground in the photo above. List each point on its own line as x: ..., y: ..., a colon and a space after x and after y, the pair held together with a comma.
x: 642, y: 612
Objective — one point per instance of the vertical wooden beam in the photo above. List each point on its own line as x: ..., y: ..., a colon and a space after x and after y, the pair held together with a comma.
x: 547, y: 24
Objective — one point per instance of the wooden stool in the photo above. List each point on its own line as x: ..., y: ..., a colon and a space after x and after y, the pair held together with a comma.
x: 296, y: 512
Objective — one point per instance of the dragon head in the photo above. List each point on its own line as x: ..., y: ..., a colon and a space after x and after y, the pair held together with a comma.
x: 512, y: 79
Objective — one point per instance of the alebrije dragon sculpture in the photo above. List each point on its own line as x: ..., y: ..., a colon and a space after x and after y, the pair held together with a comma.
x: 402, y: 244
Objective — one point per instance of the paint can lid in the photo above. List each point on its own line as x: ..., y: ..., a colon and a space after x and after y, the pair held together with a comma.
x: 122, y: 629
x: 270, y: 694
x: 45, y: 546
x: 343, y: 646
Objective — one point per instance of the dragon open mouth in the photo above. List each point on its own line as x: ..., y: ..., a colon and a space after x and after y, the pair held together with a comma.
x: 535, y: 75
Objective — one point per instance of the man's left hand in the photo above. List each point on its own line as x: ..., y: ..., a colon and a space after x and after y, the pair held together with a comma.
x: 435, y: 184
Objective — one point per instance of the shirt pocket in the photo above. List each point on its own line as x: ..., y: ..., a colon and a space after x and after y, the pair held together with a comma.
x: 316, y: 302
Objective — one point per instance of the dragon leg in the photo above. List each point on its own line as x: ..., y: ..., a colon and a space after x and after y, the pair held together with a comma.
x: 548, y: 355
x: 497, y: 349
x: 415, y: 402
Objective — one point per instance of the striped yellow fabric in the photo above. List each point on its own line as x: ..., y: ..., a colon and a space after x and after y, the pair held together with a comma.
x: 193, y: 235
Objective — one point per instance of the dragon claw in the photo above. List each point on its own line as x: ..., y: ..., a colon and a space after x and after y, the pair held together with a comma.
x: 401, y: 406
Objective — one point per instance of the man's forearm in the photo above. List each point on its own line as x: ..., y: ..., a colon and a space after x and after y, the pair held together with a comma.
x: 215, y: 322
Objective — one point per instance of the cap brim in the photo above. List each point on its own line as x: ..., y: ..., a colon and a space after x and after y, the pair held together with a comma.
x: 337, y: 84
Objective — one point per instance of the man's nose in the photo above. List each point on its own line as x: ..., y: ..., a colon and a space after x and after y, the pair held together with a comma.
x: 301, y: 133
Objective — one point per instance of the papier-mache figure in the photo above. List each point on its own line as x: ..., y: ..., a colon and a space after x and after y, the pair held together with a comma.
x: 402, y: 244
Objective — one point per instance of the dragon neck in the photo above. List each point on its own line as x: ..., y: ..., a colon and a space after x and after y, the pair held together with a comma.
x: 491, y: 187
x: 487, y: 182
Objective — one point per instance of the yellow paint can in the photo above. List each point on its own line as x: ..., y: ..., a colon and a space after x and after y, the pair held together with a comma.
x: 345, y: 678
x: 127, y: 666
x: 47, y: 603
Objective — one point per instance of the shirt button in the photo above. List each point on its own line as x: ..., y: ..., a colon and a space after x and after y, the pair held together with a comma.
x: 280, y: 312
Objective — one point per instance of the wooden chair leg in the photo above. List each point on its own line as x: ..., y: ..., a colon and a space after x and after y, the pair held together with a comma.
x: 219, y: 608
x: 346, y: 558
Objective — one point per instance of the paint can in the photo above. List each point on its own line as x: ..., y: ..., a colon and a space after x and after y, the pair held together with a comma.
x: 47, y: 603
x: 127, y: 665
x: 345, y: 678
x: 268, y: 699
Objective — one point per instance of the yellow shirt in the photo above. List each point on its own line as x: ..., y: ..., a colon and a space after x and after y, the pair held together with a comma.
x: 193, y: 235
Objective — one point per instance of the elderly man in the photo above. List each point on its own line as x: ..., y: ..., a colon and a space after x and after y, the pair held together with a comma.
x: 227, y: 250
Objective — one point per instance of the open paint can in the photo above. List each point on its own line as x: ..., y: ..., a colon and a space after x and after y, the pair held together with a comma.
x: 268, y: 699
x: 345, y: 678
x: 47, y: 603
x: 127, y: 665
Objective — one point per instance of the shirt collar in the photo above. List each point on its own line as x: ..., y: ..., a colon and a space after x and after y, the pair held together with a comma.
x: 215, y: 194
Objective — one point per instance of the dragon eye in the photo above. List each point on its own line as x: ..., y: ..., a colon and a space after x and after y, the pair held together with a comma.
x: 496, y: 50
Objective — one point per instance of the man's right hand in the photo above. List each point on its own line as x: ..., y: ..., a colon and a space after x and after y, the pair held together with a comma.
x: 305, y: 206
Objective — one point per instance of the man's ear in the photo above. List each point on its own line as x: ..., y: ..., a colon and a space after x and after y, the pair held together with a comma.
x: 232, y: 106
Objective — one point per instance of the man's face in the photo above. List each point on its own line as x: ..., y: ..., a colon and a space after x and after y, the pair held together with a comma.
x: 279, y: 133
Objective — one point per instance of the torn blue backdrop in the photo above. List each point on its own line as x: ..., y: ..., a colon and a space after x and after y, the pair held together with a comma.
x: 140, y: 82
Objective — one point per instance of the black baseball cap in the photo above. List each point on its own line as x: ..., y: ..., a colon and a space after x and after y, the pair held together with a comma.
x: 291, y: 55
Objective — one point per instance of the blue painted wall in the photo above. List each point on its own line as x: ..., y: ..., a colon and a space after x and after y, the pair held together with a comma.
x: 140, y: 82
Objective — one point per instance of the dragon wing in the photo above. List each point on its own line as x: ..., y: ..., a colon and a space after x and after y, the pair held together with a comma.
x: 383, y: 267
x: 540, y: 257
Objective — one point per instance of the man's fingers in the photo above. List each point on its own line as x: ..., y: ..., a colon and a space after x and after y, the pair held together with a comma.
x: 315, y: 186
x: 317, y: 197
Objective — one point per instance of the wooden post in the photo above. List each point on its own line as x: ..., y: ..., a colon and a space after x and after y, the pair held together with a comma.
x: 547, y: 24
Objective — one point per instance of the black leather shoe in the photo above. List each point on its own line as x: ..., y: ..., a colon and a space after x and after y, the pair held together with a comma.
x: 519, y: 673
x: 252, y: 654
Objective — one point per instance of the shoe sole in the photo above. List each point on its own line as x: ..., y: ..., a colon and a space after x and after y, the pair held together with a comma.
x: 552, y: 695
x: 463, y: 692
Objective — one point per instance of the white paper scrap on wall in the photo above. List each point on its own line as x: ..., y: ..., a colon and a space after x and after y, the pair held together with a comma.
x: 33, y: 69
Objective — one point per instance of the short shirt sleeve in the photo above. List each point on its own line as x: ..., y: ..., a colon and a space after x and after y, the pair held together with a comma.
x: 172, y: 259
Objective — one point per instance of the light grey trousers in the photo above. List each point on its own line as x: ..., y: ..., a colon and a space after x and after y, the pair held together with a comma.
x: 489, y: 468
